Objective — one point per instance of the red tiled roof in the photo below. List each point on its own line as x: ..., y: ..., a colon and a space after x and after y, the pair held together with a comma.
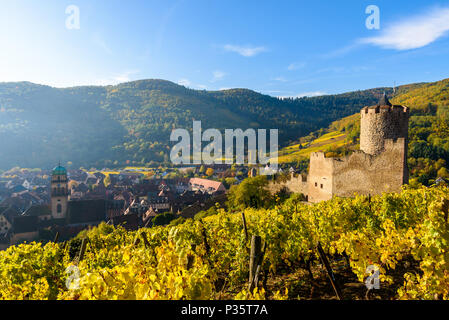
x: 216, y: 185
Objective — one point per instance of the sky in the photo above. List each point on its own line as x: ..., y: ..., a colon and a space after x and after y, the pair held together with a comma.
x: 280, y: 48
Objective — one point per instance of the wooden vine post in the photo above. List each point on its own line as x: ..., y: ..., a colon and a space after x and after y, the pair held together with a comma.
x: 145, y: 240
x: 63, y: 249
x: 244, y: 226
x: 136, y: 241
x: 329, y: 271
x: 255, y: 262
x: 56, y: 237
x: 308, y: 264
x: 82, y: 250
x: 256, y: 248
x: 206, y: 245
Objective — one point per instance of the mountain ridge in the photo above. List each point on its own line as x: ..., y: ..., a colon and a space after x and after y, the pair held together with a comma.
x: 131, y: 122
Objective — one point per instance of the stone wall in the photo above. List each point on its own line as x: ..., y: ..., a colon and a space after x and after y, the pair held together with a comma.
x: 296, y: 184
x: 359, y: 172
x: 26, y: 236
x: 320, y: 178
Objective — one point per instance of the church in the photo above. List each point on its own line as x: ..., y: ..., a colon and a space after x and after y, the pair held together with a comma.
x: 62, y: 214
x: 73, y: 212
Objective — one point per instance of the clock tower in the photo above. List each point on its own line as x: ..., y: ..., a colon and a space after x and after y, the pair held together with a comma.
x: 59, y: 193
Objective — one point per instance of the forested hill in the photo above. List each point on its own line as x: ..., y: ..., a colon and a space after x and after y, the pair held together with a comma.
x: 131, y: 122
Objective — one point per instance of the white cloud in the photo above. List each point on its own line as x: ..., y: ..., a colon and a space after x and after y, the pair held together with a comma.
x: 413, y: 32
x: 116, y: 78
x: 124, y: 77
x: 341, y: 51
x: 184, y: 82
x: 280, y: 79
x: 305, y: 94
x: 218, y: 75
x: 296, y: 66
x: 189, y: 84
x: 201, y: 86
x: 311, y: 94
x: 98, y: 82
x: 246, y: 51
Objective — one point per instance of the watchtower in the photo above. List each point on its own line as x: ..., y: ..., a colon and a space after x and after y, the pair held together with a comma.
x: 380, y: 122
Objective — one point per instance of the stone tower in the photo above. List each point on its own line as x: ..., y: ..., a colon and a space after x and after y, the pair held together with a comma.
x: 59, y: 193
x: 381, y: 122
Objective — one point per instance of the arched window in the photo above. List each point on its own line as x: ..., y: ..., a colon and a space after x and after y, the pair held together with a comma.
x: 59, y: 208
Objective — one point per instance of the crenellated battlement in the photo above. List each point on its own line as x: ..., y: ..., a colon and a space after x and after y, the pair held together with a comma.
x: 394, y: 143
x: 397, y: 109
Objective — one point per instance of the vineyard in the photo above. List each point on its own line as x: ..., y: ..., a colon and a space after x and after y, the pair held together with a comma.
x: 320, y: 251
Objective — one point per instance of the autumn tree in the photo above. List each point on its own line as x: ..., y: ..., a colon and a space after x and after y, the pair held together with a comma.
x: 252, y: 192
x: 209, y: 172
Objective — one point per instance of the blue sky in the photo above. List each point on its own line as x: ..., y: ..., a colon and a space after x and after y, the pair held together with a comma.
x: 280, y: 48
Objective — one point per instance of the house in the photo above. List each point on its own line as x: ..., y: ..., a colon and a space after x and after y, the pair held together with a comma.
x: 149, y: 216
x: 252, y: 172
x: 209, y: 186
x: 4, y: 241
x: 7, y: 215
x: 90, y: 179
x: 88, y: 212
x: 26, y: 184
x: 43, y: 212
x: 25, y: 228
x: 18, y: 189
x: 130, y: 221
x: 5, y: 225
x: 115, y: 208
x: 80, y: 187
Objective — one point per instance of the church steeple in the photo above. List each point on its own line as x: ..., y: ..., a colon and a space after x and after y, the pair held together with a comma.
x: 59, y: 192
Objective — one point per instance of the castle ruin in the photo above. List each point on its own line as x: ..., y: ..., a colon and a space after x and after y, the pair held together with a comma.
x: 379, y: 166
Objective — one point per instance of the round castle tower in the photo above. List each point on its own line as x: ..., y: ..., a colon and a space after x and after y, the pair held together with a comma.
x: 380, y: 122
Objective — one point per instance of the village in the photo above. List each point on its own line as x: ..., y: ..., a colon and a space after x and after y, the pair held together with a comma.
x: 35, y: 204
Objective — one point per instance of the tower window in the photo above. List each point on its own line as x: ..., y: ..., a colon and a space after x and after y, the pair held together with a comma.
x: 316, y: 184
x: 321, y: 186
x: 59, y: 208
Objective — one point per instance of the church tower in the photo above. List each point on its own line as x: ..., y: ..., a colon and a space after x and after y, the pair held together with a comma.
x: 59, y: 193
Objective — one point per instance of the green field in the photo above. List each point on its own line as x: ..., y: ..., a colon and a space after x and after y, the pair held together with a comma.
x: 292, y: 153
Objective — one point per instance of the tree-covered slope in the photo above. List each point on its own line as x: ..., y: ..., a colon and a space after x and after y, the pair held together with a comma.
x: 132, y: 122
x: 436, y: 93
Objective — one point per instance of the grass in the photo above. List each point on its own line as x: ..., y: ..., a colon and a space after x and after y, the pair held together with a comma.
x: 333, y: 139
